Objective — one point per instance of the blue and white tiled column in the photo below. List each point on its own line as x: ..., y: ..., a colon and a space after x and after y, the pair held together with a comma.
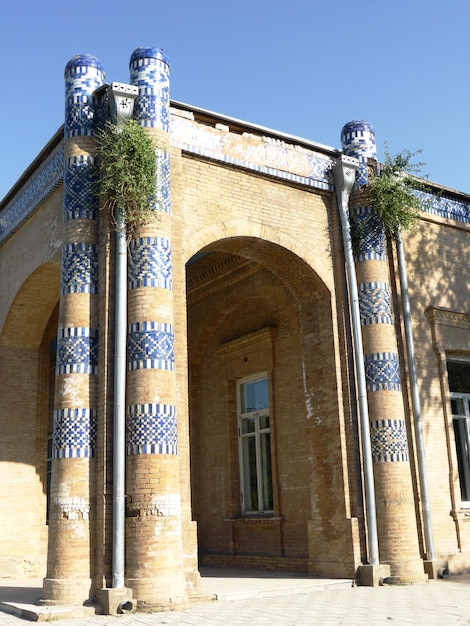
x: 68, y: 578
x: 154, y: 553
x: 396, y: 515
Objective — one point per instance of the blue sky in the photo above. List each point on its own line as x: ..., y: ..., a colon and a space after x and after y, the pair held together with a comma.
x: 304, y: 67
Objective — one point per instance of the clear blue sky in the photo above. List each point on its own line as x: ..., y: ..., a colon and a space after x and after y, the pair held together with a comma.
x: 305, y: 67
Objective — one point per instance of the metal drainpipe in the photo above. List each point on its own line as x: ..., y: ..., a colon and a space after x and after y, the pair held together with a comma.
x: 121, y: 104
x: 344, y: 172
x: 418, y: 424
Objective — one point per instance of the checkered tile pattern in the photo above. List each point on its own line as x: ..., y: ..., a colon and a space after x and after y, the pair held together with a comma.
x: 388, y: 440
x: 151, y: 429
x: 150, y: 263
x: 150, y: 71
x: 163, y: 181
x: 83, y: 75
x: 74, y: 433
x: 77, y: 351
x: 150, y: 346
x: 375, y: 305
x: 358, y: 140
x: 80, y: 182
x: 368, y: 235
x: 382, y: 371
x: 79, y: 268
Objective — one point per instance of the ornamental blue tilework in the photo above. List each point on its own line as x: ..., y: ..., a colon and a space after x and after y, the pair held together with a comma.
x: 368, y: 232
x: 152, y: 429
x: 150, y: 346
x: 150, y: 72
x: 375, y: 304
x: 382, y: 371
x: 80, y: 183
x: 77, y: 351
x: 40, y: 185
x: 162, y: 171
x: 150, y: 263
x: 83, y: 75
x: 389, y: 441
x: 74, y: 433
x: 79, y: 268
x: 450, y: 208
x: 358, y: 140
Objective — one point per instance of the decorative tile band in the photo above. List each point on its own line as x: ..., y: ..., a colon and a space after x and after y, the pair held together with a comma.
x: 449, y: 208
x: 375, y: 304
x: 389, y: 441
x: 79, y: 268
x: 358, y: 140
x: 74, y: 433
x: 150, y: 263
x: 37, y: 189
x: 150, y: 71
x: 83, y: 75
x: 382, y: 371
x: 80, y: 182
x: 77, y: 351
x: 150, y: 346
x: 368, y: 235
x: 152, y: 429
x: 162, y: 171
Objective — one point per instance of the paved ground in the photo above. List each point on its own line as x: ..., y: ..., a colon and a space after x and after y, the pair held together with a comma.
x: 440, y: 602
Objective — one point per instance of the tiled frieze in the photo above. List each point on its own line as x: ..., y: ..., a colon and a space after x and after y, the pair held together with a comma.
x: 77, y: 351
x: 80, y: 184
x: 74, y: 433
x: 79, y: 268
x: 151, y: 429
x: 83, y: 75
x: 382, y: 371
x: 389, y: 441
x: 150, y: 346
x: 368, y: 235
x: 150, y: 72
x: 375, y: 306
x: 162, y: 174
x: 150, y: 263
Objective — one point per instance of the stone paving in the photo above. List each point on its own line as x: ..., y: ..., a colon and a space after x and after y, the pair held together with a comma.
x: 441, y: 602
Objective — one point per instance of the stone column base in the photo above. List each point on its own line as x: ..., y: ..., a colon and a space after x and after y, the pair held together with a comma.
x: 58, y: 591
x: 115, y: 601
x: 372, y: 575
x: 438, y: 568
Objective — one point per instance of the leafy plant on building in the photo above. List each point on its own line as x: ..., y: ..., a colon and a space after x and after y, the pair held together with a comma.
x: 127, y: 173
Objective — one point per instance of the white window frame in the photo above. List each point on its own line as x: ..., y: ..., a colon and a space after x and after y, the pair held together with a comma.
x: 257, y: 434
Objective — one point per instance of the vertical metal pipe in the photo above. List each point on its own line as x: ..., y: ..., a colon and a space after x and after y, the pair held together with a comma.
x: 119, y: 436
x: 344, y: 172
x: 416, y: 405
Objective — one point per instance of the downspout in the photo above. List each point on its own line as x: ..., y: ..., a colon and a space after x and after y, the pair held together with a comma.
x: 121, y: 104
x: 416, y: 405
x: 344, y: 172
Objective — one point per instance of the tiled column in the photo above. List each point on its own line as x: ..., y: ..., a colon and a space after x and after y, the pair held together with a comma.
x: 154, y: 554
x: 396, y: 516
x: 68, y: 577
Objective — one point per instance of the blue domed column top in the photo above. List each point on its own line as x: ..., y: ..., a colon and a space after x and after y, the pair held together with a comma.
x: 150, y: 72
x: 358, y: 140
x: 83, y: 75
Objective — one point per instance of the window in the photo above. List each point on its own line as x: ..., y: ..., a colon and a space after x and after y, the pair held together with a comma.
x: 255, y: 445
x: 459, y: 385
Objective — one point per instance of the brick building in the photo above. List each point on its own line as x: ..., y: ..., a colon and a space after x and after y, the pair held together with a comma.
x: 255, y: 436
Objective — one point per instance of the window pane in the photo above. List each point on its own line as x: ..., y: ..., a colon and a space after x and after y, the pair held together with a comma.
x: 463, y: 458
x: 248, y: 425
x: 459, y: 376
x: 254, y: 396
x: 457, y: 405
x: 266, y: 472
x: 264, y: 421
x: 250, y: 487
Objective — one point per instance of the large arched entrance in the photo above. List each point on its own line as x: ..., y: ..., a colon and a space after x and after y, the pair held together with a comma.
x: 265, y: 429
x: 27, y: 355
